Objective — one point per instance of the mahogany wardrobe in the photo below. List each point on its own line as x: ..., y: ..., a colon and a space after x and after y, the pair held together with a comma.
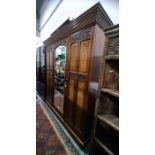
x: 74, y: 54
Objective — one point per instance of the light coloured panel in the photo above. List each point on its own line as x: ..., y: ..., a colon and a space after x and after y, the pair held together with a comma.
x: 84, y: 53
x: 71, y: 90
x: 80, y: 94
x: 73, y: 57
x: 79, y: 104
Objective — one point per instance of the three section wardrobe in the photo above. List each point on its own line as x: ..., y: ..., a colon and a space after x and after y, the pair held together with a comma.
x: 74, y: 54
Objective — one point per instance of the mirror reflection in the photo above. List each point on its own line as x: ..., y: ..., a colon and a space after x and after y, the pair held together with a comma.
x: 60, y: 61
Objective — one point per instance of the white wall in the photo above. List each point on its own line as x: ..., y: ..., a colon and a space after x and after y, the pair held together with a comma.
x: 38, y: 42
x: 72, y: 9
x: 46, y: 9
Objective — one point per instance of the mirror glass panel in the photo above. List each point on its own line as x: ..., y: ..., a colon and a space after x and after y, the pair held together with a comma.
x: 59, y: 82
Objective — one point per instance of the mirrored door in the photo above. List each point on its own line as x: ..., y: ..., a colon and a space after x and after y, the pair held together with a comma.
x: 59, y: 75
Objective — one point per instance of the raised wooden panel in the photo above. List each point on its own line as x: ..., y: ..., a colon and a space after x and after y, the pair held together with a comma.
x: 79, y: 104
x: 71, y: 90
x: 84, y: 53
x: 70, y: 101
x: 80, y: 94
x: 74, y: 57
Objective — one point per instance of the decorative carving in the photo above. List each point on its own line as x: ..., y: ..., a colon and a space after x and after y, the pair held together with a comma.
x: 78, y: 76
x: 81, y: 35
x: 73, y: 75
x: 62, y: 42
x: 113, y: 47
x: 112, y: 44
x: 48, y: 48
x: 82, y: 77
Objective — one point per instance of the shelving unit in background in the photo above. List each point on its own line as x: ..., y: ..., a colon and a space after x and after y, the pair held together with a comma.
x: 106, y: 132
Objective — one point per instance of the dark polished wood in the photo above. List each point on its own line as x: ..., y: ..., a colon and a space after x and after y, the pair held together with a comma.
x: 105, y: 134
x: 78, y: 73
x: 94, y: 15
x: 41, y: 72
x: 49, y: 76
x: 111, y: 120
x: 84, y: 39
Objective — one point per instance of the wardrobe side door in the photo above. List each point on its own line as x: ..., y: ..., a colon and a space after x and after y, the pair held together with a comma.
x: 78, y: 77
x: 80, y: 106
x: 49, y: 73
x: 70, y: 94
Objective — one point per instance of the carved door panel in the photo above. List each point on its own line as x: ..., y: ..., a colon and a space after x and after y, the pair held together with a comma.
x: 49, y: 72
x: 69, y: 100
x: 78, y: 73
x: 70, y: 94
x: 80, y: 105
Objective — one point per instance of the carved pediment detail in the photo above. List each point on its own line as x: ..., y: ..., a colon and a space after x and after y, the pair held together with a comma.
x: 81, y: 35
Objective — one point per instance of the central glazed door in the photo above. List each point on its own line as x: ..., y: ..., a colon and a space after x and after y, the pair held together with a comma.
x: 77, y: 78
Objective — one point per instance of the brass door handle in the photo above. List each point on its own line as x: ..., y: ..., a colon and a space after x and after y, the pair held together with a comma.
x: 65, y: 82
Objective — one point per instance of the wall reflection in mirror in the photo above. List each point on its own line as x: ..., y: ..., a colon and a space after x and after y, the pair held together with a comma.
x: 59, y: 81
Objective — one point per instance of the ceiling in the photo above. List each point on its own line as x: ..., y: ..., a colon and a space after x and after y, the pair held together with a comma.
x: 39, y: 4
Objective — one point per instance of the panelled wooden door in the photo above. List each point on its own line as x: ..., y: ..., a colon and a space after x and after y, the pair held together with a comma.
x: 49, y: 72
x: 77, y: 77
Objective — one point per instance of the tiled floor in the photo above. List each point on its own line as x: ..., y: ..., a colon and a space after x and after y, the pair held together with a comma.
x: 58, y: 101
x: 47, y: 141
x: 52, y: 138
